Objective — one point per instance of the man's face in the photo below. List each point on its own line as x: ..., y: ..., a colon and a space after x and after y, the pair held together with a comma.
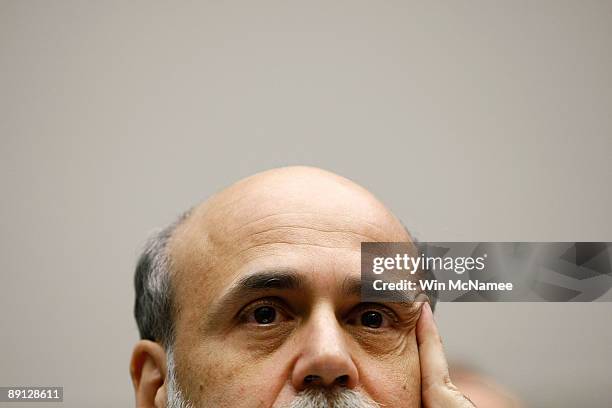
x: 266, y: 289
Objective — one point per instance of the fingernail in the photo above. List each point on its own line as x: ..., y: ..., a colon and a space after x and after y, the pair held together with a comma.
x: 427, y: 306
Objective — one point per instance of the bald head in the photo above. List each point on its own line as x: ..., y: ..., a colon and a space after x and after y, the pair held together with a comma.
x: 289, y: 193
x: 292, y: 205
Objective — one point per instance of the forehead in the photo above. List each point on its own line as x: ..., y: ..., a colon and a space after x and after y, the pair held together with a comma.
x: 315, y: 231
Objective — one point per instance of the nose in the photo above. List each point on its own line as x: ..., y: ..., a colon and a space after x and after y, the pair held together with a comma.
x: 324, y: 359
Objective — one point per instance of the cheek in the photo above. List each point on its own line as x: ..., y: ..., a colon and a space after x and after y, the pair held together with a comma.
x: 393, y: 380
x: 221, y: 376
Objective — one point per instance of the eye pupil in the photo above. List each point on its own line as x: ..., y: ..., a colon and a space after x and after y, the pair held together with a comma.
x: 372, y: 319
x: 264, y: 315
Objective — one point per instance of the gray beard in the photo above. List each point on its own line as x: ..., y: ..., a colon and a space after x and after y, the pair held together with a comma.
x: 310, y: 398
x: 336, y: 398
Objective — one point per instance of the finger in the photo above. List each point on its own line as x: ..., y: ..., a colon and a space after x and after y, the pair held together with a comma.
x: 434, y: 368
x: 437, y: 390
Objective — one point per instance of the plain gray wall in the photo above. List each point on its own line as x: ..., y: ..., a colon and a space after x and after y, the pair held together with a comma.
x: 473, y: 120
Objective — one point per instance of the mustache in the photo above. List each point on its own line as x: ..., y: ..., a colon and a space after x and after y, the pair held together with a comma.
x: 334, y: 398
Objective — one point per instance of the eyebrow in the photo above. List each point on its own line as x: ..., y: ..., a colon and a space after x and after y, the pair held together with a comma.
x: 247, y: 286
x: 270, y: 279
x: 351, y: 286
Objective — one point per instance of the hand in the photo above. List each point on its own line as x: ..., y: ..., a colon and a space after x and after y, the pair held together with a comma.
x: 437, y: 390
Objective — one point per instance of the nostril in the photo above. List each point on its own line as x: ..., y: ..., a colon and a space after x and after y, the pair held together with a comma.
x: 342, y: 380
x: 312, y: 379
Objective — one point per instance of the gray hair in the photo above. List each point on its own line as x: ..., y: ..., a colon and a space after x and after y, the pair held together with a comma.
x: 153, y: 306
x: 175, y: 398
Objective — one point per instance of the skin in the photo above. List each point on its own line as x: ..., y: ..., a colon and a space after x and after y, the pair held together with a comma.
x: 307, y: 223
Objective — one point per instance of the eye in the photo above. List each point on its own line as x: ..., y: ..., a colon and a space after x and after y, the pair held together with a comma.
x: 372, y: 316
x: 264, y: 314
x: 372, y: 319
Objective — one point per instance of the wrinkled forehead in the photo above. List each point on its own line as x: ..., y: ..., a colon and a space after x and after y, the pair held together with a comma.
x: 284, y: 224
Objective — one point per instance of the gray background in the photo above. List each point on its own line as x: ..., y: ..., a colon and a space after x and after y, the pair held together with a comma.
x: 472, y: 120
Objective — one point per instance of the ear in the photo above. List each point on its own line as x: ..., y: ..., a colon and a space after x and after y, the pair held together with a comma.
x: 148, y: 371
